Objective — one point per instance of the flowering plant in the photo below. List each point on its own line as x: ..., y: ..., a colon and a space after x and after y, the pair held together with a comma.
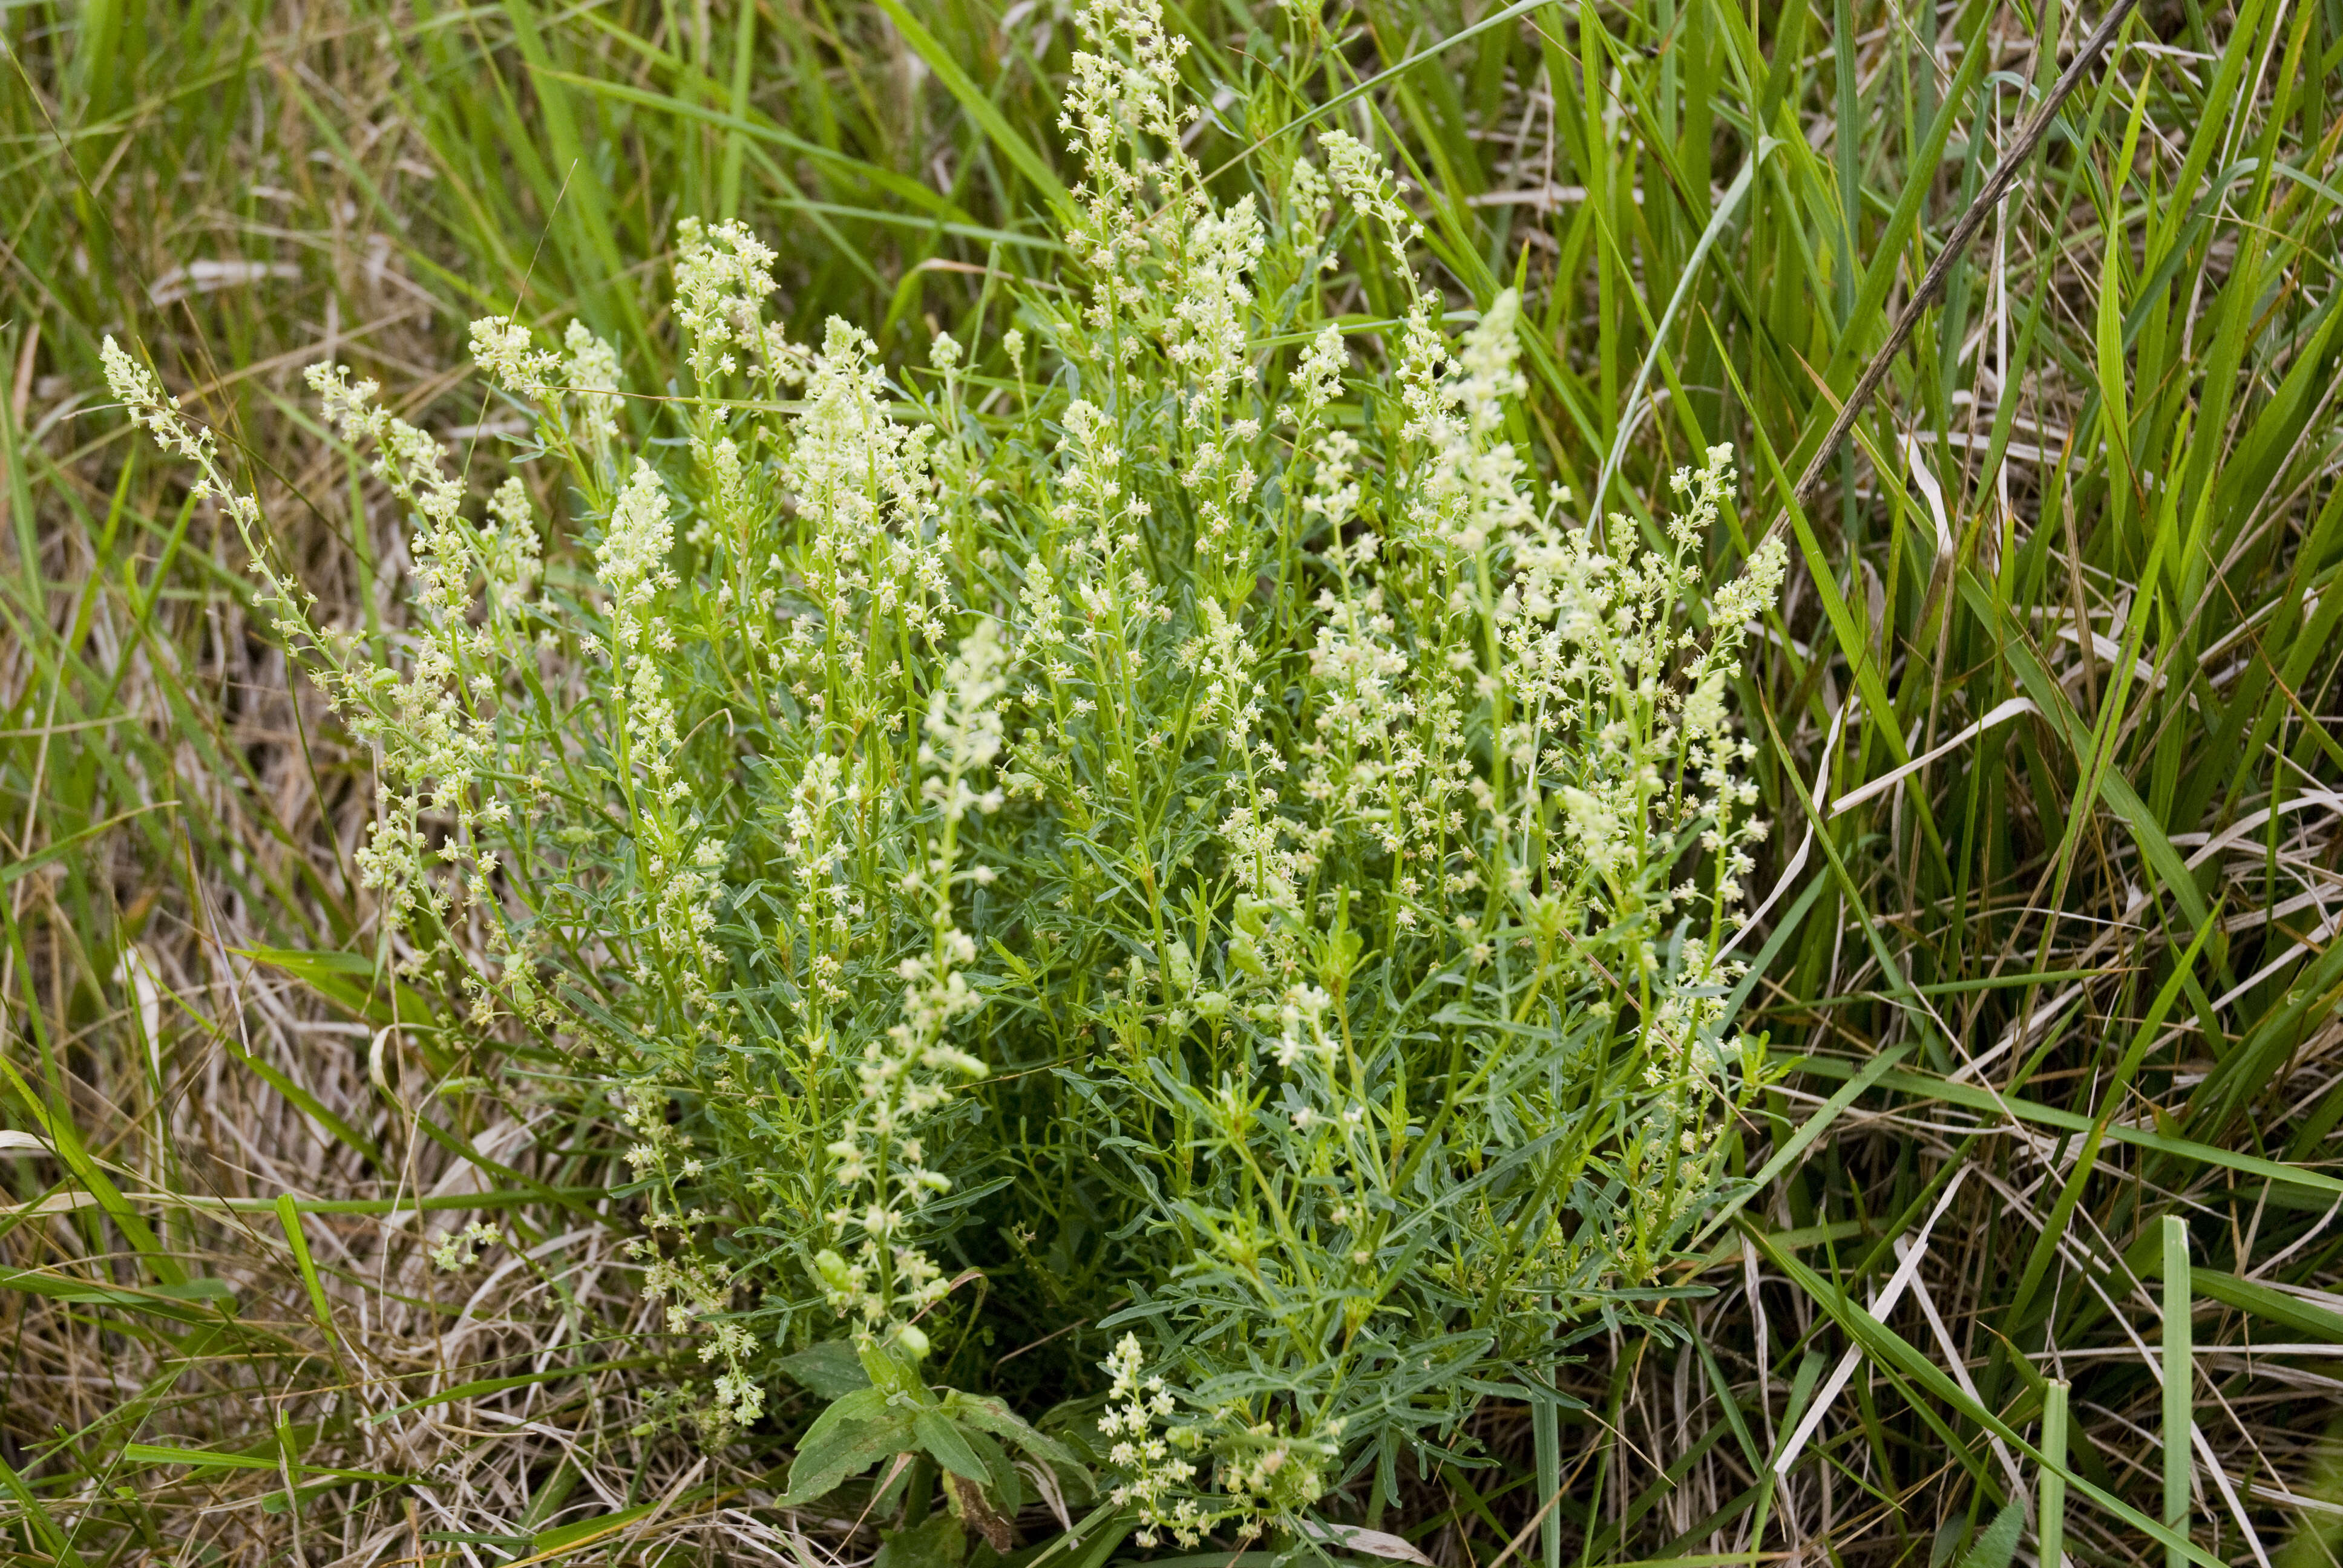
x: 1158, y: 814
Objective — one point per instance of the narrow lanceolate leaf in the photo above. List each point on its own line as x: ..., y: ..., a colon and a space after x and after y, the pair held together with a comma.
x: 2179, y: 1381
x: 1374, y: 1542
x: 1012, y: 143
x: 209, y: 1459
x: 547, y: 1544
x: 67, y: 1140
x: 2050, y: 1502
x: 947, y: 1447
x: 289, y: 1218
x: 1971, y: 1097
x: 986, y: 1413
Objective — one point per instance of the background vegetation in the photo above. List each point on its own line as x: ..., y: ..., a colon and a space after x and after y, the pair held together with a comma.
x: 2070, y: 979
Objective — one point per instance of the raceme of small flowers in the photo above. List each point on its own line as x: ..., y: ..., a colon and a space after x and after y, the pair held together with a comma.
x: 1179, y: 719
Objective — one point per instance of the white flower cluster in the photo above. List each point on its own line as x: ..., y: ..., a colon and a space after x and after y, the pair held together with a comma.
x: 436, y: 729
x: 678, y: 865
x: 1166, y: 266
x: 862, y: 481
x: 510, y: 551
x: 696, y: 1290
x: 508, y: 353
x: 1114, y: 107
x: 1364, y: 180
x: 591, y: 374
x: 1318, y: 380
x: 1086, y: 604
x: 817, y: 825
x: 459, y: 1250
x: 906, y: 1075
x: 1314, y: 777
x: 577, y: 391
x: 577, y: 394
x: 1508, y: 736
x: 1153, y: 1477
x: 698, y: 1297
x: 722, y: 274
x: 150, y: 409
x: 1471, y: 492
x: 1260, y: 1477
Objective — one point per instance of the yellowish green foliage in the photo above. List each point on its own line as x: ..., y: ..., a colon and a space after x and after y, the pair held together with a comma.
x: 1181, y: 707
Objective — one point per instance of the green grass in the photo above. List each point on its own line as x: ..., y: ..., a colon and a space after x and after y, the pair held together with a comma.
x: 2078, y: 971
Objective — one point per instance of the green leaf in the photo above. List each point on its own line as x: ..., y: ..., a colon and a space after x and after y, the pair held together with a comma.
x: 937, y: 1541
x: 986, y: 1413
x: 44, y: 1528
x: 1359, y: 89
x: 563, y: 1535
x: 2291, y: 1312
x: 1812, y: 1127
x: 181, y: 1303
x: 942, y: 1440
x: 216, y: 1459
x: 911, y: 191
x: 288, y: 1218
x: 846, y: 1412
x: 829, y: 1369
x: 67, y: 1140
x: 979, y: 107
x: 850, y: 1437
x: 1374, y: 1542
x: 1996, y: 1544
x: 1998, y: 1106
x: 65, y: 846
x: 353, y: 982
x: 488, y: 1386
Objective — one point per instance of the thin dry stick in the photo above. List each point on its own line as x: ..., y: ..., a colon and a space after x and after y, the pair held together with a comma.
x: 1932, y: 282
